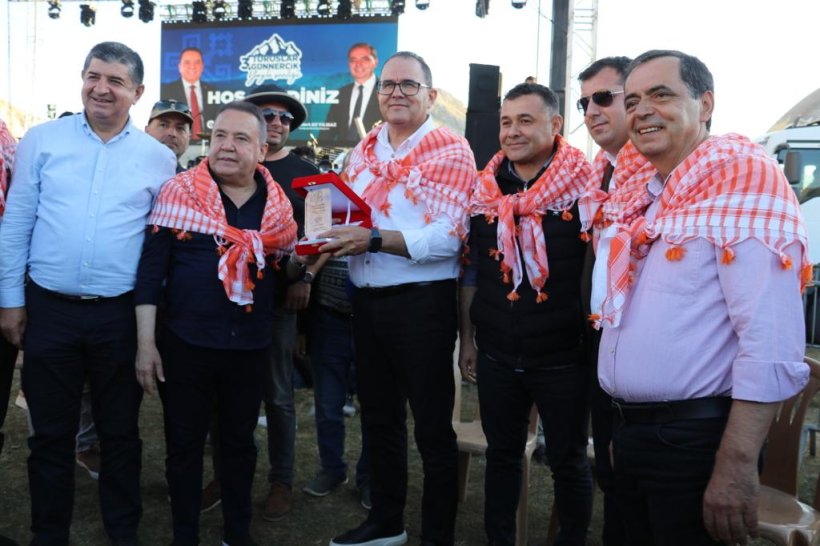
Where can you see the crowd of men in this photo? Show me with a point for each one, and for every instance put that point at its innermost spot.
(646, 287)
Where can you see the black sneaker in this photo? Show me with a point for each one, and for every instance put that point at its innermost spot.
(371, 533)
(323, 483)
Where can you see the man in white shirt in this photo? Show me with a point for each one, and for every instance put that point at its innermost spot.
(417, 180)
(356, 100)
(189, 88)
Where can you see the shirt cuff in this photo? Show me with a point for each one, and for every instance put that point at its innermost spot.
(416, 243)
(13, 297)
(762, 381)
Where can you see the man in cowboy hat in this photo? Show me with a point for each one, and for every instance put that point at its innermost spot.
(283, 114)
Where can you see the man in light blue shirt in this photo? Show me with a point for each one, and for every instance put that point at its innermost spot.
(69, 246)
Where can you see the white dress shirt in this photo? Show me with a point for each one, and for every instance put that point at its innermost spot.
(434, 248)
(368, 89)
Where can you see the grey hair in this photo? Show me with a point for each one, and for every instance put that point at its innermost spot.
(115, 52)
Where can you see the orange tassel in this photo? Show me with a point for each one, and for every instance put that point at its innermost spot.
(494, 253)
(490, 219)
(505, 278)
(541, 297)
(641, 239)
(584, 236)
(259, 274)
(155, 229)
(594, 317)
(428, 218)
(220, 250)
(566, 216)
(248, 308)
(728, 256)
(674, 253)
(787, 262)
(513, 296)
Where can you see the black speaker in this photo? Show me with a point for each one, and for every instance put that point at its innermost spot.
(482, 134)
(485, 88)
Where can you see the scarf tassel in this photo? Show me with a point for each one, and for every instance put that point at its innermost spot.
(566, 216)
(248, 308)
(728, 256)
(155, 229)
(490, 219)
(594, 317)
(541, 297)
(513, 295)
(786, 261)
(675, 253)
(584, 236)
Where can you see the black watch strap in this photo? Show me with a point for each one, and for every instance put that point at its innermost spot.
(375, 240)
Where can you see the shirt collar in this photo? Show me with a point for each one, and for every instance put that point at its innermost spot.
(410, 143)
(129, 126)
(655, 186)
(613, 159)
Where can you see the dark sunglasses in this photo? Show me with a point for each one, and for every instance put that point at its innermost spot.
(601, 98)
(285, 118)
(174, 105)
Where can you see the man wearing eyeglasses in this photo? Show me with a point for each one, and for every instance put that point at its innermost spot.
(71, 237)
(357, 100)
(602, 104)
(170, 123)
(702, 317)
(283, 114)
(522, 327)
(417, 179)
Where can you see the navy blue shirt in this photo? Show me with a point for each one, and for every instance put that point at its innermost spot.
(183, 275)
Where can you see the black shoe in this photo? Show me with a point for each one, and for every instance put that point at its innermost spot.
(372, 533)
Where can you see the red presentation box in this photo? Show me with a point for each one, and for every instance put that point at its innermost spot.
(347, 207)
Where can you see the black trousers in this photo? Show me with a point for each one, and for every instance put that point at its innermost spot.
(8, 357)
(198, 382)
(404, 342)
(67, 343)
(661, 473)
(600, 405)
(505, 397)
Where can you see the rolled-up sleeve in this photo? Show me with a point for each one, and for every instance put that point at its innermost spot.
(435, 241)
(766, 310)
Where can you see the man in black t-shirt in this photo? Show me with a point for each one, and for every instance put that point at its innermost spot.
(283, 114)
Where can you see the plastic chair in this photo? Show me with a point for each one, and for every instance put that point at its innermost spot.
(471, 441)
(782, 517)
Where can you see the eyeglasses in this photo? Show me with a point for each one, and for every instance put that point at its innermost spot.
(601, 98)
(408, 88)
(174, 105)
(285, 118)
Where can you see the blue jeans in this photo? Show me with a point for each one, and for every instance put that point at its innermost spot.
(331, 355)
(280, 410)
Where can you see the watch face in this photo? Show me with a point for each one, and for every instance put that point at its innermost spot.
(308, 277)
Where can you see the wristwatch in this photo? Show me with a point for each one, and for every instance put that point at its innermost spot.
(307, 278)
(375, 240)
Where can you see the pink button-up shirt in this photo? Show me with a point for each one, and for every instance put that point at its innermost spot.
(695, 327)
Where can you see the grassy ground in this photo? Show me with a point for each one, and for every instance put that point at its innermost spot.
(312, 522)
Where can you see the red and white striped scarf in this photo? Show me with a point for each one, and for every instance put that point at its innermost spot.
(439, 173)
(7, 147)
(727, 191)
(555, 190)
(190, 202)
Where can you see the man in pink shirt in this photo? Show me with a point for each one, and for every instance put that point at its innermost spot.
(702, 315)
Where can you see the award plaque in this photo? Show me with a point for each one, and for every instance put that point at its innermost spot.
(328, 202)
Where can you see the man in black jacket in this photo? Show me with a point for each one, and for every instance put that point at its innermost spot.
(521, 323)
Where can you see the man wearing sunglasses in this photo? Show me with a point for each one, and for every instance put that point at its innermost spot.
(703, 331)
(522, 328)
(283, 114)
(417, 179)
(170, 123)
(357, 100)
(602, 104)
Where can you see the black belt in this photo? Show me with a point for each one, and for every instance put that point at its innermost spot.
(381, 291)
(80, 299)
(676, 410)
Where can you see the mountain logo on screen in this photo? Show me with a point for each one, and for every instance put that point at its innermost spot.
(274, 59)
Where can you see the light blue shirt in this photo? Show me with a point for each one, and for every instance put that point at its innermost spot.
(76, 209)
